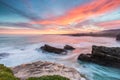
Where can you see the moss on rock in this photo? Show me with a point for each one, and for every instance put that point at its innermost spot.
(7, 74)
(53, 77)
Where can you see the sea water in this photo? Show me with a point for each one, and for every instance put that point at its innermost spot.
(26, 48)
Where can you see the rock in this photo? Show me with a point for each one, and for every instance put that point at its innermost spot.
(2, 55)
(112, 51)
(37, 69)
(53, 49)
(68, 47)
(118, 37)
(108, 56)
(86, 57)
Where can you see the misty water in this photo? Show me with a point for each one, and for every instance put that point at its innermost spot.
(25, 49)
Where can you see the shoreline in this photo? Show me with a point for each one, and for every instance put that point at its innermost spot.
(25, 52)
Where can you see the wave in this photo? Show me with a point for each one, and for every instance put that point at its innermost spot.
(28, 51)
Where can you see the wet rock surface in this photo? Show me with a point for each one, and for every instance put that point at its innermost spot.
(56, 50)
(37, 69)
(49, 48)
(108, 56)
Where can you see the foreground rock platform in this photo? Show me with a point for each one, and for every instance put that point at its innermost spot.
(107, 56)
(37, 69)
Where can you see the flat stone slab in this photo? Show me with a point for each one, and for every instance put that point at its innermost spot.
(37, 69)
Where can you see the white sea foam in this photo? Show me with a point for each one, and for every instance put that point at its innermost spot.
(27, 50)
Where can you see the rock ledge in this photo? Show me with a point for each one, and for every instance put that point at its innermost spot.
(37, 69)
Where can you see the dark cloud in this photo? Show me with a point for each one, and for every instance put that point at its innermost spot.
(21, 25)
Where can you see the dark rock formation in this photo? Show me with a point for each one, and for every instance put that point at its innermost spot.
(118, 37)
(53, 49)
(68, 47)
(2, 55)
(85, 57)
(108, 56)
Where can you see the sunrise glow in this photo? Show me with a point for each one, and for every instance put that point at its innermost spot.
(81, 16)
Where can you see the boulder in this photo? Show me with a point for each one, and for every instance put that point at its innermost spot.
(118, 37)
(85, 57)
(68, 47)
(51, 49)
(108, 56)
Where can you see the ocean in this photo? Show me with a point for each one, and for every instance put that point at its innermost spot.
(26, 49)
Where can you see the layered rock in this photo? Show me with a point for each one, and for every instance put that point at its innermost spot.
(40, 68)
(118, 37)
(108, 56)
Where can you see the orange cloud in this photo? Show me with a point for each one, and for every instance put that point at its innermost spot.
(29, 32)
(81, 13)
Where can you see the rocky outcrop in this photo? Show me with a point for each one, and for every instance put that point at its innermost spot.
(37, 69)
(108, 56)
(53, 49)
(68, 47)
(118, 37)
(85, 57)
(2, 55)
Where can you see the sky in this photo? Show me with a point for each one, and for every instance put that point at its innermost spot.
(58, 16)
